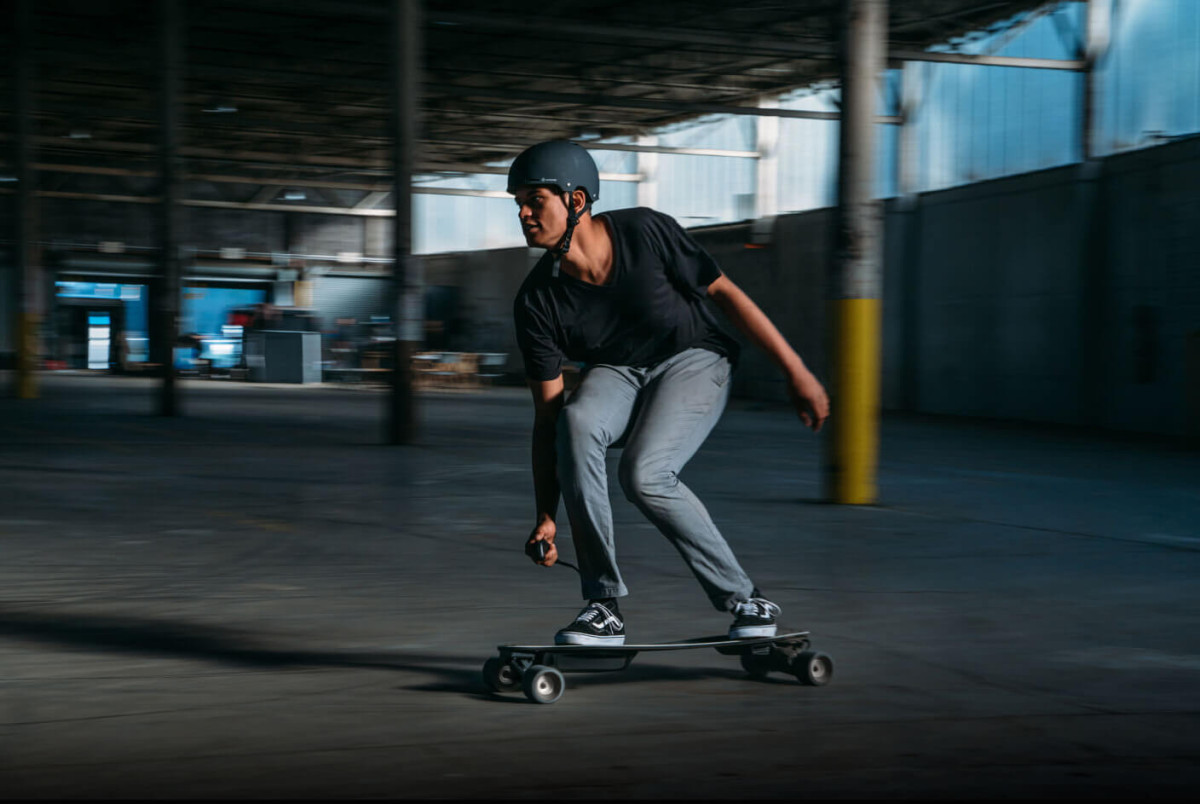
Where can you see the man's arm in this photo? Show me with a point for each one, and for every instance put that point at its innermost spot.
(806, 392)
(547, 402)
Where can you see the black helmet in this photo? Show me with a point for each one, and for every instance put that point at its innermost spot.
(558, 162)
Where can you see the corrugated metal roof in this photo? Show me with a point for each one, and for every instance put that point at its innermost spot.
(310, 78)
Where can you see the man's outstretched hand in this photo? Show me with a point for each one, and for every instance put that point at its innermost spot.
(810, 400)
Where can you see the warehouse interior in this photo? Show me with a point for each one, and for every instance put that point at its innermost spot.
(282, 190)
(264, 438)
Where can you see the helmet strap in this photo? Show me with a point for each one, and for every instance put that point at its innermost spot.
(564, 245)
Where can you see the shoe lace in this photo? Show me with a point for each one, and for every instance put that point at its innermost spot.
(757, 607)
(592, 612)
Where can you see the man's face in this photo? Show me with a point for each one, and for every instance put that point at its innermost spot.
(543, 216)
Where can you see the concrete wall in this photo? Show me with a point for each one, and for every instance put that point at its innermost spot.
(996, 300)
(1151, 288)
(1067, 296)
(982, 309)
(786, 278)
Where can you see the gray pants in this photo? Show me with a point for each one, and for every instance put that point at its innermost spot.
(664, 413)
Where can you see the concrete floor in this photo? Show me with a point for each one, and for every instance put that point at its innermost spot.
(260, 600)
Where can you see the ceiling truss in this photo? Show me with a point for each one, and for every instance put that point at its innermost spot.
(309, 82)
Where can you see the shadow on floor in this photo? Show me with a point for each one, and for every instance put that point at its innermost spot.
(147, 636)
(172, 639)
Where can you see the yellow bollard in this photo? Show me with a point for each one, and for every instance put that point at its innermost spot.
(854, 414)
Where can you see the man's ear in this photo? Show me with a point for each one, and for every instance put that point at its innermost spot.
(580, 201)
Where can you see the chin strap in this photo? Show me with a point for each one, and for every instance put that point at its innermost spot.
(564, 245)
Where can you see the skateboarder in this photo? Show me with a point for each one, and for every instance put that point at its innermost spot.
(623, 292)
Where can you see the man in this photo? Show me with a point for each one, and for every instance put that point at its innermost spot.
(624, 293)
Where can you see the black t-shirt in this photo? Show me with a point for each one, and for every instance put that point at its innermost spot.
(651, 309)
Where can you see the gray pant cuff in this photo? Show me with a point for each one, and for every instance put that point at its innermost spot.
(727, 602)
(597, 592)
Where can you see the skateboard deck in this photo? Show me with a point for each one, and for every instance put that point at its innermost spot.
(537, 670)
(698, 642)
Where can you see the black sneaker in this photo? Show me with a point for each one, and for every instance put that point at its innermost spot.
(753, 618)
(597, 624)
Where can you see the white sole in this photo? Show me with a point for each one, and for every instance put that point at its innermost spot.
(753, 631)
(580, 639)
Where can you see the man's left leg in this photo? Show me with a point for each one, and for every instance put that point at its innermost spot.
(682, 403)
(594, 417)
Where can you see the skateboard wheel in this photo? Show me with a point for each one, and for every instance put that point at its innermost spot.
(757, 665)
(499, 676)
(543, 684)
(813, 668)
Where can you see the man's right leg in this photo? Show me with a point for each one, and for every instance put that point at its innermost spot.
(594, 417)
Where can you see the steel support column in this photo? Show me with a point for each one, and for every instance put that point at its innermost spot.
(857, 277)
(766, 184)
(1094, 265)
(908, 156)
(647, 168)
(908, 217)
(24, 274)
(1095, 46)
(166, 291)
(406, 292)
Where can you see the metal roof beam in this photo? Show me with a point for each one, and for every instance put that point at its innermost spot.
(110, 198)
(985, 61)
(758, 44)
(660, 104)
(592, 145)
(358, 209)
(431, 166)
(371, 199)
